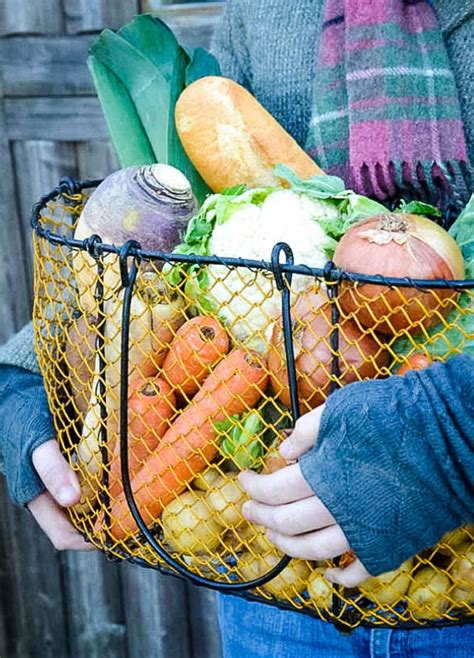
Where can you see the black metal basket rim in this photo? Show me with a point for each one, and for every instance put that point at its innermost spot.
(132, 249)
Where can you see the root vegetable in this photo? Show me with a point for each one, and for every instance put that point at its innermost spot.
(150, 204)
(189, 526)
(389, 588)
(427, 596)
(80, 346)
(320, 589)
(198, 345)
(398, 245)
(151, 406)
(155, 315)
(189, 445)
(290, 582)
(361, 356)
(226, 498)
(205, 481)
(461, 568)
(453, 540)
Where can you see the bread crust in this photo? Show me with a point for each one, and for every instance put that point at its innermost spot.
(231, 139)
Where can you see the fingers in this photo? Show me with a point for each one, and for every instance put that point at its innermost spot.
(57, 476)
(292, 519)
(283, 486)
(320, 545)
(304, 436)
(351, 576)
(55, 525)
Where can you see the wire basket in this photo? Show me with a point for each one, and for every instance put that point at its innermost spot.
(158, 404)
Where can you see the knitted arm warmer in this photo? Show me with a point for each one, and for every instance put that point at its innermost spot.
(394, 461)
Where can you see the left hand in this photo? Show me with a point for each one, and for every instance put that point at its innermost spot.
(298, 522)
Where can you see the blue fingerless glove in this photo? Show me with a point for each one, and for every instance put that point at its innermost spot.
(394, 461)
(25, 423)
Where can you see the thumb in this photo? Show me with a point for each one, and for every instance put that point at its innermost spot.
(304, 436)
(56, 474)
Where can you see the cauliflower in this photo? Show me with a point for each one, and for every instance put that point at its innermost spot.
(242, 223)
(249, 301)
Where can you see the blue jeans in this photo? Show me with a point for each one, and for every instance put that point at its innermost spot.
(256, 630)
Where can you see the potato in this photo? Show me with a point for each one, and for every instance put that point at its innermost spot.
(205, 480)
(427, 595)
(388, 588)
(462, 597)
(461, 568)
(254, 538)
(189, 527)
(226, 498)
(290, 583)
(450, 542)
(320, 589)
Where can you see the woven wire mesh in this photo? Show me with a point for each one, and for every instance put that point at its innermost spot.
(208, 394)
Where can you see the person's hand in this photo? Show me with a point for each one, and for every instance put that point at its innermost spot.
(298, 522)
(63, 490)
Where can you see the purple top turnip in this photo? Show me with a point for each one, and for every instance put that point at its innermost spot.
(151, 204)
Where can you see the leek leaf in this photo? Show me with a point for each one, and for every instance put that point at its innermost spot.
(147, 86)
(121, 116)
(201, 65)
(155, 40)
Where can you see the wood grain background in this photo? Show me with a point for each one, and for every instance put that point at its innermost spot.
(72, 605)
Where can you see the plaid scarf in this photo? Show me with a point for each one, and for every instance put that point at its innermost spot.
(386, 114)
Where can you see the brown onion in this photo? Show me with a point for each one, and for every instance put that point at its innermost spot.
(360, 354)
(398, 245)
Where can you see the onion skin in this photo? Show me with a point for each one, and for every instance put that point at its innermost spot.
(398, 245)
(360, 354)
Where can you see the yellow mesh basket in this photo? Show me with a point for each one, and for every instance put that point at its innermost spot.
(145, 374)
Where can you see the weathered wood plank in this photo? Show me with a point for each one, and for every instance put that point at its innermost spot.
(30, 17)
(193, 24)
(8, 590)
(93, 15)
(39, 614)
(96, 159)
(156, 614)
(38, 166)
(38, 66)
(68, 119)
(14, 295)
(41, 66)
(204, 631)
(94, 607)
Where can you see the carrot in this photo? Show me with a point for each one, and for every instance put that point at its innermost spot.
(151, 405)
(198, 345)
(414, 362)
(234, 386)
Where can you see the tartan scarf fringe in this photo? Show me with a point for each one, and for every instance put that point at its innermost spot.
(446, 185)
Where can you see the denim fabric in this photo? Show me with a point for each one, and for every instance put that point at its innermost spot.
(25, 423)
(256, 630)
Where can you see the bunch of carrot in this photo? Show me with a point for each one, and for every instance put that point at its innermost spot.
(167, 448)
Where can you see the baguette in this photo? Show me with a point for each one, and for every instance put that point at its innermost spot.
(231, 139)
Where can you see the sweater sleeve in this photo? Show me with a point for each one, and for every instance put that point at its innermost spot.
(456, 20)
(25, 423)
(229, 45)
(394, 461)
(19, 350)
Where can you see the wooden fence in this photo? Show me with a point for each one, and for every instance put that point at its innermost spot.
(72, 605)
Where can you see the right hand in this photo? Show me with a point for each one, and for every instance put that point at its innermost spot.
(63, 490)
